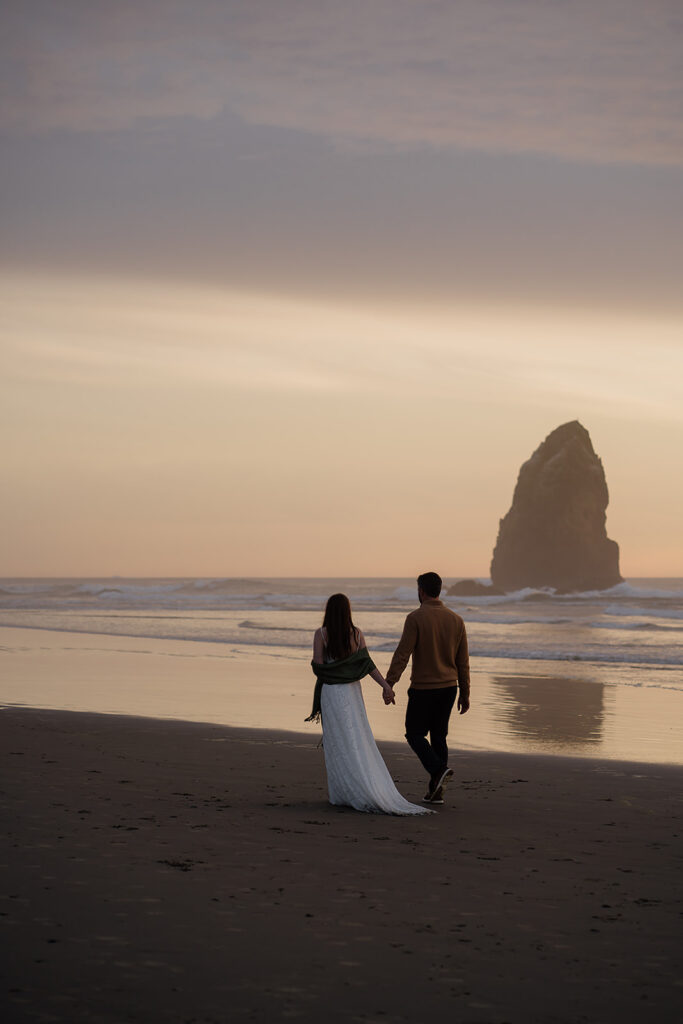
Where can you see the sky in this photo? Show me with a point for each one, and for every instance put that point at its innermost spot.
(294, 287)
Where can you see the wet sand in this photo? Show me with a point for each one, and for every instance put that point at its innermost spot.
(160, 871)
(528, 708)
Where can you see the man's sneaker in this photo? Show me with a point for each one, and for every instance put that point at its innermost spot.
(438, 783)
(433, 798)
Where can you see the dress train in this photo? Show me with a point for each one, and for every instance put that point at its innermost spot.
(356, 773)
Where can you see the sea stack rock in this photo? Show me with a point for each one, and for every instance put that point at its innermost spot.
(554, 534)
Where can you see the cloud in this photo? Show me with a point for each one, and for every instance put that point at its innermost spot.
(129, 337)
(598, 82)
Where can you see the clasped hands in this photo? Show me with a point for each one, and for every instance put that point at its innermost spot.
(388, 694)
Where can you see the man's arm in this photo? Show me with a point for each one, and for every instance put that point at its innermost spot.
(462, 661)
(387, 692)
(406, 646)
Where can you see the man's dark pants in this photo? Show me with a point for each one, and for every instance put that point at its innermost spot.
(428, 712)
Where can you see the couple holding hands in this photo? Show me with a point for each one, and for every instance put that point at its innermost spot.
(435, 638)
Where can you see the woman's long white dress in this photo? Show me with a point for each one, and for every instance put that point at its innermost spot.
(356, 774)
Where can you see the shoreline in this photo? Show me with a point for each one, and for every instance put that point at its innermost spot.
(540, 708)
(311, 738)
(163, 871)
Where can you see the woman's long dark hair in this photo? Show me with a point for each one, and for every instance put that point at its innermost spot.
(341, 632)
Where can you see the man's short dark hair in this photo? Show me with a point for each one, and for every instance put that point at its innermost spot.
(430, 582)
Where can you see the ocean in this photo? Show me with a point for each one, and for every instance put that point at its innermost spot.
(599, 668)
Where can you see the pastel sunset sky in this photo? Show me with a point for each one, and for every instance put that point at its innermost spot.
(293, 287)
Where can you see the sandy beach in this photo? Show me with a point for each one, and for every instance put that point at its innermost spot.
(160, 871)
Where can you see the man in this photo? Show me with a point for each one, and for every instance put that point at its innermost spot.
(435, 637)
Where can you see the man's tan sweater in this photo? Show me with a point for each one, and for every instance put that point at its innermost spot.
(436, 638)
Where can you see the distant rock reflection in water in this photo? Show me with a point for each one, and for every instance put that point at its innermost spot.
(559, 713)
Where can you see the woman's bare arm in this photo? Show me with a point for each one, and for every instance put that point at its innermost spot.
(318, 646)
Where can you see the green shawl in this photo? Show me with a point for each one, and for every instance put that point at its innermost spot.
(346, 670)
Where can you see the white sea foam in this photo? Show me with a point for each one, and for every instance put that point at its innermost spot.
(652, 611)
(641, 625)
(630, 590)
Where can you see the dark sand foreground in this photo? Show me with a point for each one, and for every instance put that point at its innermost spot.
(160, 871)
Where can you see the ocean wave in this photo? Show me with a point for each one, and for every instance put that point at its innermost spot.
(607, 657)
(656, 612)
(604, 656)
(626, 591)
(249, 634)
(380, 594)
(247, 624)
(652, 627)
(129, 591)
(630, 590)
(230, 586)
(476, 616)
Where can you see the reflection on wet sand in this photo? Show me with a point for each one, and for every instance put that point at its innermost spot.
(552, 710)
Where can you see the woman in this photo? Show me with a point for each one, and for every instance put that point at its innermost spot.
(356, 774)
